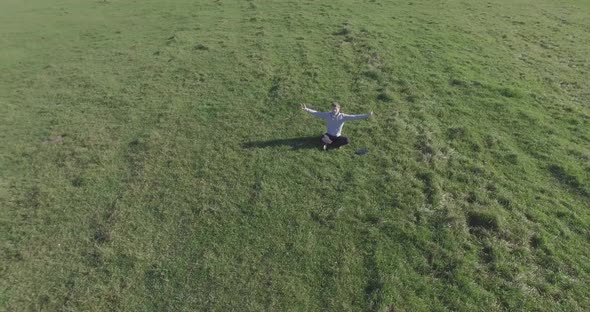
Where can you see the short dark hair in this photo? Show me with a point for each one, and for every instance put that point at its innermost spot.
(336, 104)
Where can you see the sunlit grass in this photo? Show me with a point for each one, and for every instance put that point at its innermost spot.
(154, 156)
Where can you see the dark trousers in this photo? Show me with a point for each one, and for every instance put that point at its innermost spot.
(337, 141)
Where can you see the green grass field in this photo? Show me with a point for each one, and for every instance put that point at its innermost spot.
(154, 157)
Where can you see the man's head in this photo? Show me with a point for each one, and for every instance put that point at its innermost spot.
(335, 108)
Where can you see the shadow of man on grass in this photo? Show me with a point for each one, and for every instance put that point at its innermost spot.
(308, 142)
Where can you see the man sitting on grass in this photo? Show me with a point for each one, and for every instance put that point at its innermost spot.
(334, 122)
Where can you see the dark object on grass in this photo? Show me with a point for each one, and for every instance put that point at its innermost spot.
(201, 47)
(362, 152)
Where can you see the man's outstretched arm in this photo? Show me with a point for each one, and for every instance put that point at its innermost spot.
(346, 117)
(313, 112)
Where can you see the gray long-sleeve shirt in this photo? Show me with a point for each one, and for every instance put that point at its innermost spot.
(334, 122)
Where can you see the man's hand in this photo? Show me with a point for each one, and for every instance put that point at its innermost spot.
(371, 114)
(303, 107)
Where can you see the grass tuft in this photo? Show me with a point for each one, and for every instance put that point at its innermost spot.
(510, 93)
(385, 96)
(569, 180)
(484, 220)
